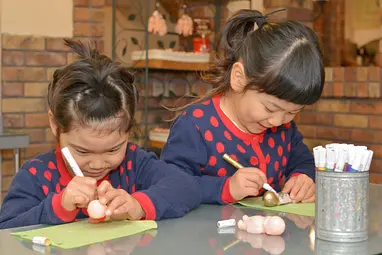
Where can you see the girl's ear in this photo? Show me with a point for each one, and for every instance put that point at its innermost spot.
(52, 123)
(238, 80)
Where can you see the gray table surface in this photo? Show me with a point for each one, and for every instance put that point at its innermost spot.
(196, 233)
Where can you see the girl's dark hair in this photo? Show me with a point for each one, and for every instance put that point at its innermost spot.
(92, 90)
(283, 59)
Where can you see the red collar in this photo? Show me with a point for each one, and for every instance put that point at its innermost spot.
(230, 125)
(66, 176)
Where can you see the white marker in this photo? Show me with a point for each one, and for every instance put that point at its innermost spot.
(268, 187)
(367, 167)
(226, 223)
(41, 240)
(316, 153)
(76, 169)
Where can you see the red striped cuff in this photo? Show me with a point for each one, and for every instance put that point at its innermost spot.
(147, 205)
(226, 196)
(60, 211)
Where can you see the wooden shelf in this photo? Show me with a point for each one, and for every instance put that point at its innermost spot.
(171, 65)
(157, 144)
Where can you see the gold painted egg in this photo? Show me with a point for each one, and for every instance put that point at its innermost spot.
(270, 199)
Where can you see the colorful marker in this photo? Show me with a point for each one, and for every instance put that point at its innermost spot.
(322, 159)
(330, 159)
(316, 154)
(340, 163)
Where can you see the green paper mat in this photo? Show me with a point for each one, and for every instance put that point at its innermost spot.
(77, 234)
(304, 209)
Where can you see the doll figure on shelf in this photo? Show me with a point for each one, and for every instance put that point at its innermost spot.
(184, 25)
(157, 24)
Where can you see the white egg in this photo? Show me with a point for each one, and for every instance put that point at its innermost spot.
(96, 210)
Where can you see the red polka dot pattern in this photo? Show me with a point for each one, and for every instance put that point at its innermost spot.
(208, 136)
(127, 180)
(246, 142)
(254, 161)
(274, 129)
(51, 165)
(268, 159)
(276, 165)
(260, 138)
(283, 136)
(214, 122)
(133, 189)
(58, 188)
(287, 125)
(119, 186)
(133, 147)
(48, 175)
(280, 150)
(233, 156)
(198, 113)
(121, 170)
(184, 113)
(222, 172)
(284, 161)
(270, 180)
(289, 147)
(241, 149)
(220, 147)
(45, 189)
(33, 170)
(271, 142)
(129, 165)
(202, 169)
(227, 135)
(212, 161)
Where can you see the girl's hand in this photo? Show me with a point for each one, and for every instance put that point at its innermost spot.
(301, 188)
(120, 204)
(246, 182)
(79, 192)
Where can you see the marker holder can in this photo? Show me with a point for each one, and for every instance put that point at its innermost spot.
(342, 203)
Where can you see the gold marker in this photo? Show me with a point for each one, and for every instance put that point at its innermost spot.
(232, 161)
(236, 164)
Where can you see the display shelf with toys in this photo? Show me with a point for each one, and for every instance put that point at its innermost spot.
(193, 53)
(171, 60)
(158, 137)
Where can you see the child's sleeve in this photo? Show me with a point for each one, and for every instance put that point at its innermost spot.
(26, 204)
(301, 159)
(186, 149)
(162, 189)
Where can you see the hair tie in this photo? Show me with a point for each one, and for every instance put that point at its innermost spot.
(261, 20)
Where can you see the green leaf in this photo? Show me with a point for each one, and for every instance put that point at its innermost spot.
(172, 44)
(172, 94)
(160, 44)
(134, 40)
(132, 17)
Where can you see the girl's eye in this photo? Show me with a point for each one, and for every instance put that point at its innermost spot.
(114, 150)
(268, 110)
(82, 152)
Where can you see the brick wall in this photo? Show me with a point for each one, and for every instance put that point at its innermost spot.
(350, 111)
(27, 66)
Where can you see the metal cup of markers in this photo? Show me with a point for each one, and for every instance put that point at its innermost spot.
(342, 202)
